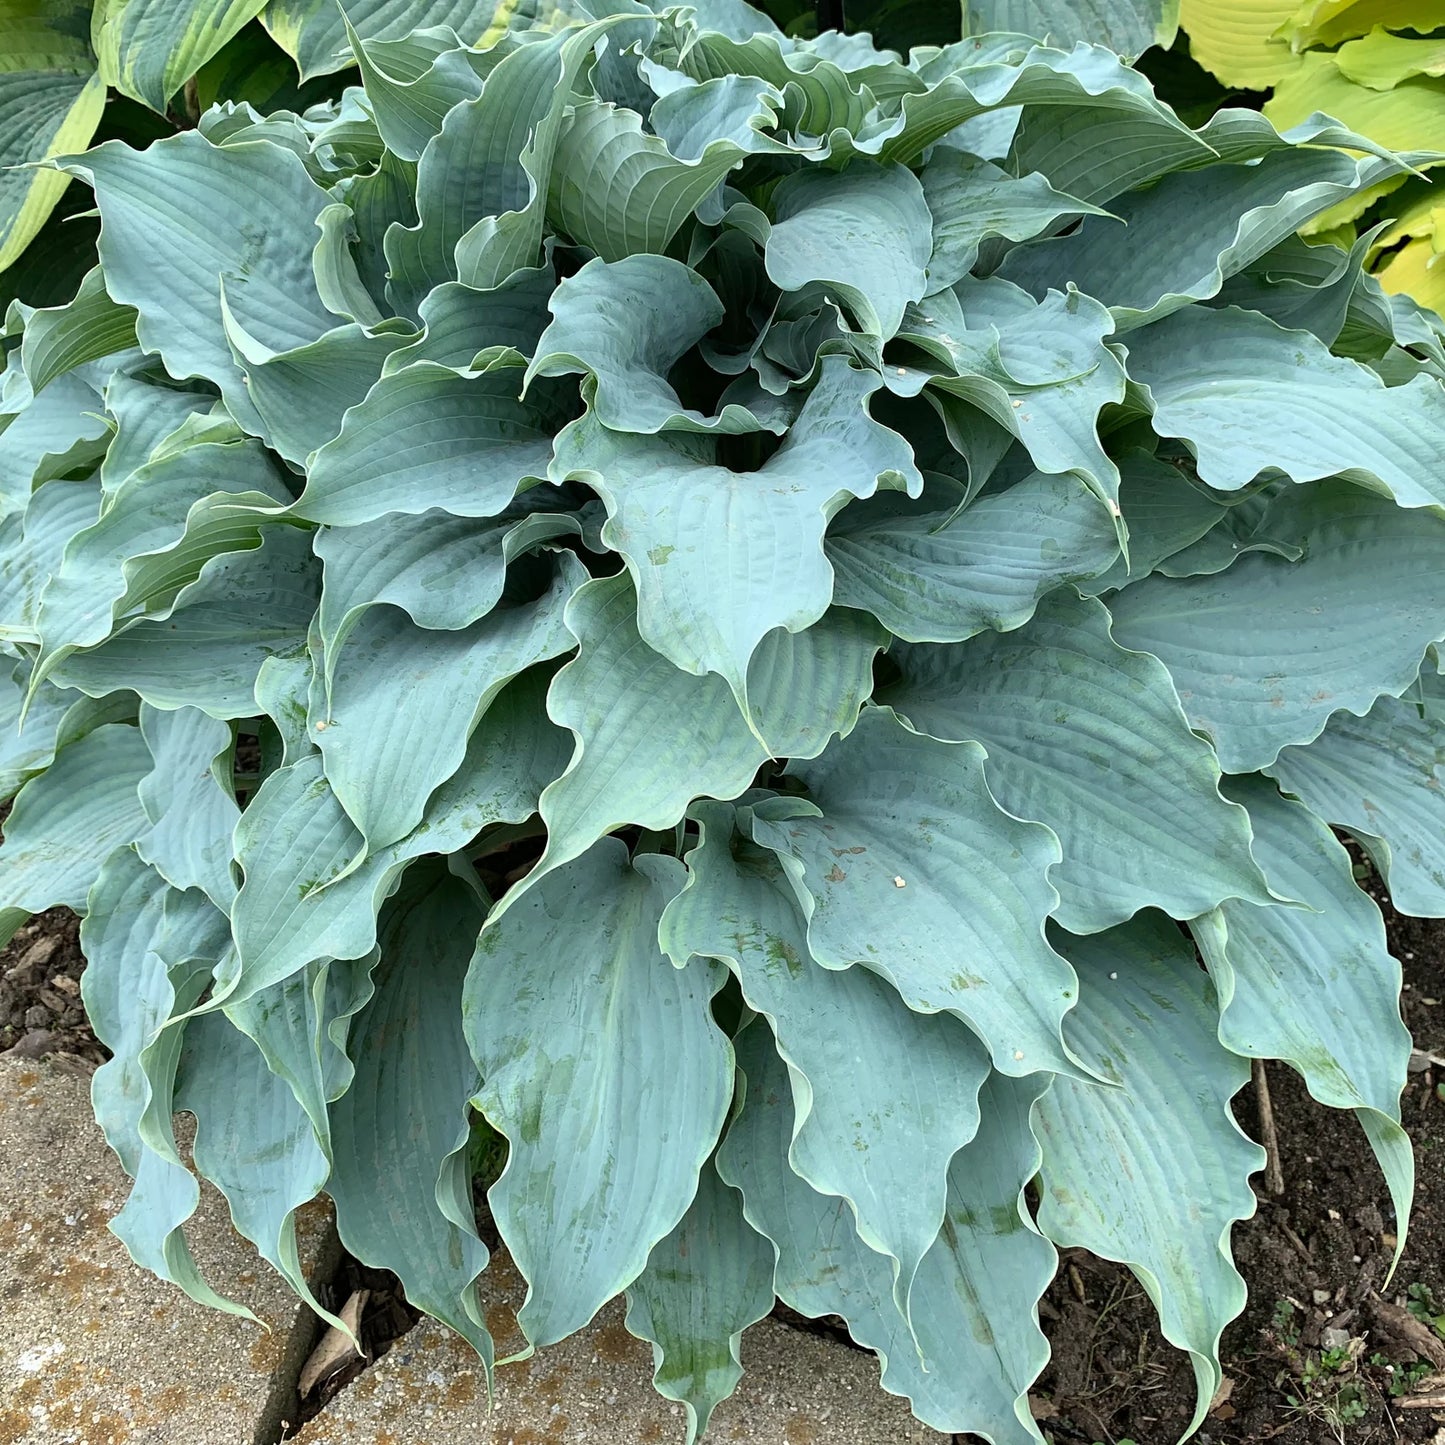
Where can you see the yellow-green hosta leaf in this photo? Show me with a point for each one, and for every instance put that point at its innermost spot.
(1409, 116)
(148, 49)
(1324, 23)
(1417, 270)
(1381, 61)
(51, 99)
(1154, 1171)
(1240, 41)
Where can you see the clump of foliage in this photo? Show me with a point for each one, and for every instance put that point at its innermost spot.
(695, 599)
(1379, 68)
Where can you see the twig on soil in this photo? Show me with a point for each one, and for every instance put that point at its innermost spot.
(1273, 1174)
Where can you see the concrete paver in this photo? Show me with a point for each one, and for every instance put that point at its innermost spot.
(595, 1389)
(96, 1351)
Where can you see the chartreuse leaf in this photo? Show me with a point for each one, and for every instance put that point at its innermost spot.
(400, 1176)
(68, 819)
(1240, 40)
(1091, 740)
(669, 308)
(432, 436)
(884, 1097)
(1315, 986)
(1128, 26)
(932, 576)
(1154, 1172)
(1184, 237)
(972, 199)
(721, 558)
(150, 951)
(188, 798)
(1041, 370)
(704, 1284)
(1381, 777)
(178, 218)
(588, 1192)
(295, 843)
(253, 1142)
(402, 701)
(900, 868)
(1263, 653)
(207, 649)
(148, 49)
(87, 328)
(975, 1346)
(637, 761)
(1221, 378)
(51, 99)
(864, 233)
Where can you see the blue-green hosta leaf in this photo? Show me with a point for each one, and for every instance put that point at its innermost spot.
(1222, 378)
(302, 395)
(189, 801)
(443, 571)
(884, 1097)
(85, 329)
(1315, 986)
(151, 951)
(67, 417)
(736, 108)
(1182, 238)
(972, 199)
(179, 217)
(253, 1142)
(482, 179)
(1153, 1173)
(1091, 740)
(412, 83)
(206, 650)
(604, 1156)
(1128, 26)
(295, 843)
(67, 820)
(932, 576)
(148, 49)
(1263, 653)
(1164, 511)
(864, 233)
(975, 1346)
(36, 542)
(721, 558)
(1041, 370)
(620, 191)
(703, 1286)
(401, 701)
(651, 738)
(1254, 522)
(1381, 776)
(460, 321)
(907, 866)
(51, 100)
(668, 308)
(431, 436)
(149, 415)
(157, 530)
(400, 1177)
(27, 745)
(338, 274)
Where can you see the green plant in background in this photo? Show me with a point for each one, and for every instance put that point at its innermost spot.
(696, 593)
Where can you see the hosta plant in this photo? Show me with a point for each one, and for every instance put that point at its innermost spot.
(755, 627)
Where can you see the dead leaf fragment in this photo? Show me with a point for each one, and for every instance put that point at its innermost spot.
(337, 1348)
(1399, 1330)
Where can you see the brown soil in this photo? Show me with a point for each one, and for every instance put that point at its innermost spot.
(1315, 1257)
